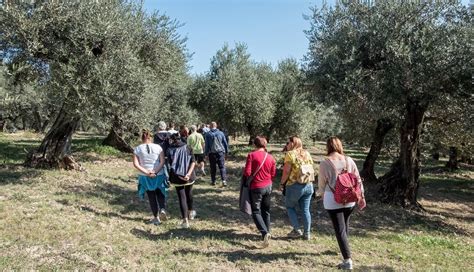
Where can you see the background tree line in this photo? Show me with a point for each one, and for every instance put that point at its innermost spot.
(395, 76)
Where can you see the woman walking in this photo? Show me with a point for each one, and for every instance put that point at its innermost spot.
(298, 189)
(260, 167)
(181, 164)
(149, 159)
(329, 169)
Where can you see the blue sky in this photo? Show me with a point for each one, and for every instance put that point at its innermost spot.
(272, 29)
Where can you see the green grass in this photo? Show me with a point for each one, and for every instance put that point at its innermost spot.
(93, 220)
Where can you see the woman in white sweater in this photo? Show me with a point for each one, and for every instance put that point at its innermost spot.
(339, 213)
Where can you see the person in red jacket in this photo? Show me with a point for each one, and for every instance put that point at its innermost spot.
(262, 166)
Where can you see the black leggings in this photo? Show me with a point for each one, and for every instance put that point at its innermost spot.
(185, 198)
(340, 222)
(157, 201)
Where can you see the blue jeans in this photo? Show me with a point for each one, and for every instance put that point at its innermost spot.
(299, 195)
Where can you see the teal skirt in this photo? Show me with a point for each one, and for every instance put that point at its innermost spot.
(146, 183)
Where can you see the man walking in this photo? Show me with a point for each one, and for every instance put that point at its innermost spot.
(196, 143)
(215, 149)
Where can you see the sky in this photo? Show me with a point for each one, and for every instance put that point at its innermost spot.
(272, 29)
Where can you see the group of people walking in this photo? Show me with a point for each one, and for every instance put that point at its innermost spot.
(167, 157)
(171, 157)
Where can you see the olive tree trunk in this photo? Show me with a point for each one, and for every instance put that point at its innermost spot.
(54, 151)
(384, 125)
(400, 185)
(115, 138)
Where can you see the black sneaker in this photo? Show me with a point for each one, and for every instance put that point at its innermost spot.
(213, 183)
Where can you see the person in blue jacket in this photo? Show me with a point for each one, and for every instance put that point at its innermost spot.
(216, 148)
(181, 171)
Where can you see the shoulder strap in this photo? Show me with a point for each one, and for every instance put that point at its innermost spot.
(335, 170)
(258, 169)
(332, 165)
(346, 166)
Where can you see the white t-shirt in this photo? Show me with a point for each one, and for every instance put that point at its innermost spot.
(149, 158)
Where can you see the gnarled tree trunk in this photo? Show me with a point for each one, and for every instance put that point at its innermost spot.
(400, 185)
(384, 125)
(452, 164)
(54, 151)
(115, 139)
(2, 124)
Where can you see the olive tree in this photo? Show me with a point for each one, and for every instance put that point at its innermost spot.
(236, 92)
(398, 58)
(97, 59)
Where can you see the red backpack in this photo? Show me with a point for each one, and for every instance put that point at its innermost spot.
(347, 187)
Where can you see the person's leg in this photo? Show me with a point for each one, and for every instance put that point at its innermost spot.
(291, 201)
(265, 206)
(221, 164)
(153, 202)
(305, 203)
(201, 166)
(161, 199)
(189, 196)
(212, 165)
(183, 206)
(255, 202)
(337, 218)
(347, 215)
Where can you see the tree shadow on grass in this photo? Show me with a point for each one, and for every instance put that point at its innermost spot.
(374, 268)
(17, 174)
(250, 251)
(124, 198)
(98, 212)
(255, 256)
(231, 236)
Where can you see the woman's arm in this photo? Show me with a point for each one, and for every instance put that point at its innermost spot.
(162, 163)
(136, 164)
(286, 173)
(322, 179)
(248, 166)
(190, 171)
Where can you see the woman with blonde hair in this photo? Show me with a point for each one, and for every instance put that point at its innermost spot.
(149, 159)
(298, 186)
(329, 169)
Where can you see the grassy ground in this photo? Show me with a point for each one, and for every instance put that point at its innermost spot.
(94, 220)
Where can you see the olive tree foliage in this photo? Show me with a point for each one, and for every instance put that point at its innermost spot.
(448, 131)
(236, 92)
(295, 113)
(100, 61)
(396, 59)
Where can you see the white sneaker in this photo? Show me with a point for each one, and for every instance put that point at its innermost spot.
(345, 265)
(192, 214)
(163, 215)
(224, 183)
(266, 240)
